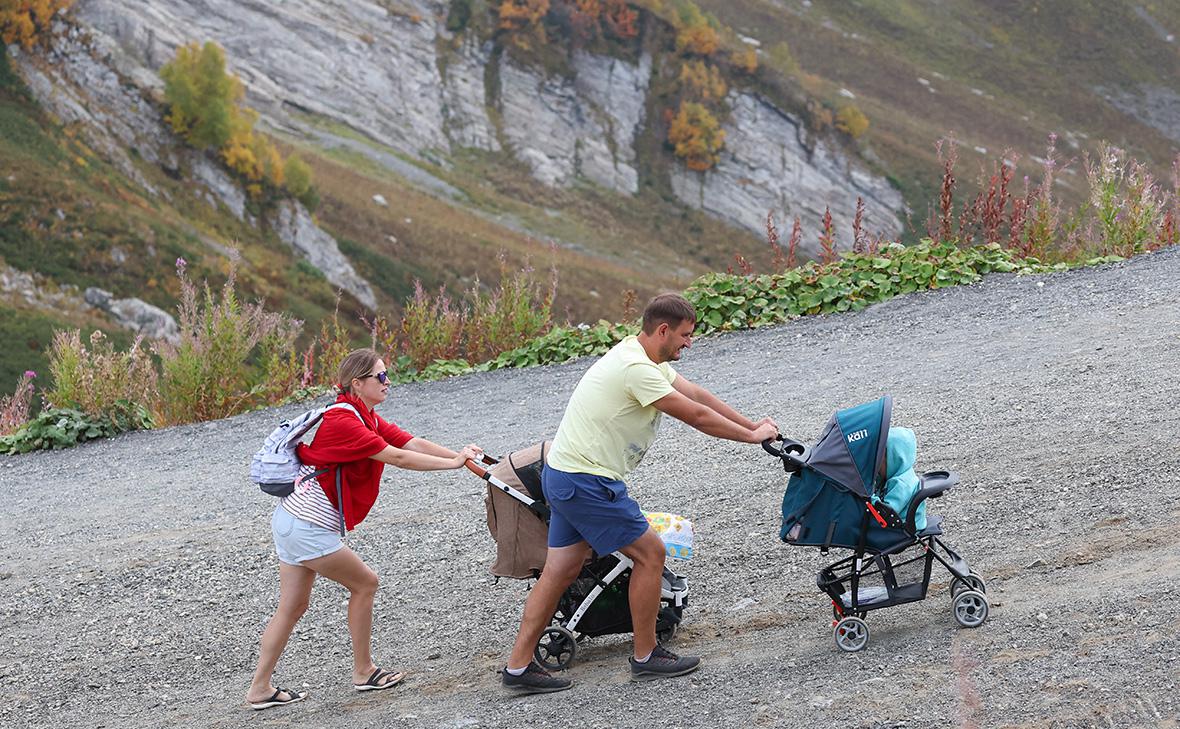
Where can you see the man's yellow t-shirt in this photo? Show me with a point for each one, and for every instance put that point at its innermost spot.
(610, 422)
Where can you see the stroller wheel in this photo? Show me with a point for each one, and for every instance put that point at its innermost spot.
(973, 581)
(971, 608)
(666, 635)
(851, 634)
(555, 648)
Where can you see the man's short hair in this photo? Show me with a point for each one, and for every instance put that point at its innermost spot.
(670, 309)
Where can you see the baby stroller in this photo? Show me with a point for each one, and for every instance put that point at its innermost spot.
(596, 603)
(834, 499)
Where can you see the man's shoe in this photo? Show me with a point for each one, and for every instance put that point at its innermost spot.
(534, 680)
(663, 663)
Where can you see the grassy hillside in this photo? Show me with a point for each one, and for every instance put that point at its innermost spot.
(998, 75)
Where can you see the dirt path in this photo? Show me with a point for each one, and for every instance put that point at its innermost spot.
(136, 574)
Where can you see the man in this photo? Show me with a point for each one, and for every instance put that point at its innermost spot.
(608, 425)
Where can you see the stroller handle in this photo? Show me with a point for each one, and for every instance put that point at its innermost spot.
(478, 467)
(793, 453)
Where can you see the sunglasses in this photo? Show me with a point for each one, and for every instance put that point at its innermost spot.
(382, 377)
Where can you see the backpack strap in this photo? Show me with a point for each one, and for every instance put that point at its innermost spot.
(339, 476)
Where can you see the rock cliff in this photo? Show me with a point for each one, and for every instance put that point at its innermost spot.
(391, 71)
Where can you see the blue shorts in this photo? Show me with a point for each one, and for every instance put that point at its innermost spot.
(298, 540)
(595, 509)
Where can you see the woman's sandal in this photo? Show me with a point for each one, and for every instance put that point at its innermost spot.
(274, 700)
(378, 681)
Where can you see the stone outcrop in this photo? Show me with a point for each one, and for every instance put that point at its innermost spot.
(295, 227)
(134, 314)
(81, 82)
(580, 127)
(766, 167)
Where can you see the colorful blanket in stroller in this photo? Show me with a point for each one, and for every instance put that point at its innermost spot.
(675, 530)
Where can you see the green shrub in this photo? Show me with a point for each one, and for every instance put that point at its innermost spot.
(58, 428)
(509, 316)
(202, 98)
(95, 379)
(726, 301)
(1128, 207)
(231, 356)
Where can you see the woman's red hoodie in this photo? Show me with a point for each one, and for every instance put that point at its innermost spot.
(343, 442)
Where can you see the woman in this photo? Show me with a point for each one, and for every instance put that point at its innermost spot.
(306, 524)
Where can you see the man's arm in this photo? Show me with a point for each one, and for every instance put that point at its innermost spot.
(711, 422)
(698, 394)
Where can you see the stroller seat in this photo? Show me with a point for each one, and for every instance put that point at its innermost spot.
(838, 496)
(933, 526)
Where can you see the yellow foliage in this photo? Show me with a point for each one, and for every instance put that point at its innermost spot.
(699, 39)
(701, 82)
(696, 136)
(22, 20)
(523, 18)
(746, 60)
(590, 8)
(852, 121)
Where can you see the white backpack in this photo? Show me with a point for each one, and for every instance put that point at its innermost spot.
(275, 467)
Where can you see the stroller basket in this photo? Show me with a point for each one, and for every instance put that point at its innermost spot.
(834, 498)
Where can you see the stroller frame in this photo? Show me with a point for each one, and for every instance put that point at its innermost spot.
(556, 649)
(854, 466)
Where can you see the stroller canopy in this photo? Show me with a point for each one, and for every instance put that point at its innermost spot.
(851, 450)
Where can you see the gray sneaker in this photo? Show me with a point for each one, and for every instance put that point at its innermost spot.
(663, 663)
(534, 680)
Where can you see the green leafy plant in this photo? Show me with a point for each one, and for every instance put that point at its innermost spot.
(56, 428)
(725, 301)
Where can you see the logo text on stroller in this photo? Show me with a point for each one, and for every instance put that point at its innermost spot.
(858, 435)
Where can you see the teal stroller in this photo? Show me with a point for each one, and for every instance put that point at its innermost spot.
(837, 497)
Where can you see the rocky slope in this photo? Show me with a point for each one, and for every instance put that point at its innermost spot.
(380, 69)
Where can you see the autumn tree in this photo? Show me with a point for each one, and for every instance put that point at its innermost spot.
(695, 35)
(620, 19)
(204, 107)
(701, 82)
(696, 136)
(746, 60)
(22, 21)
(201, 96)
(852, 121)
(521, 19)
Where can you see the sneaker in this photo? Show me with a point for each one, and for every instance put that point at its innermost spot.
(534, 680)
(663, 663)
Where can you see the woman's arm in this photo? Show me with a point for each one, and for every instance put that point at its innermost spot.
(418, 461)
(421, 445)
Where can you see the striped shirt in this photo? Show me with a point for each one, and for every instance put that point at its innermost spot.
(309, 503)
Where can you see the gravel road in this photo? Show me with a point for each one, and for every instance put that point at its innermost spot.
(136, 574)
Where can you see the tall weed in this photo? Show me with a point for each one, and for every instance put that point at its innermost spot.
(518, 310)
(221, 364)
(99, 381)
(1128, 207)
(15, 408)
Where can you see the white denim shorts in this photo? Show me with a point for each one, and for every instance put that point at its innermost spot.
(298, 540)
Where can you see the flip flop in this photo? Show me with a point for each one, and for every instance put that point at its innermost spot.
(375, 681)
(274, 700)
